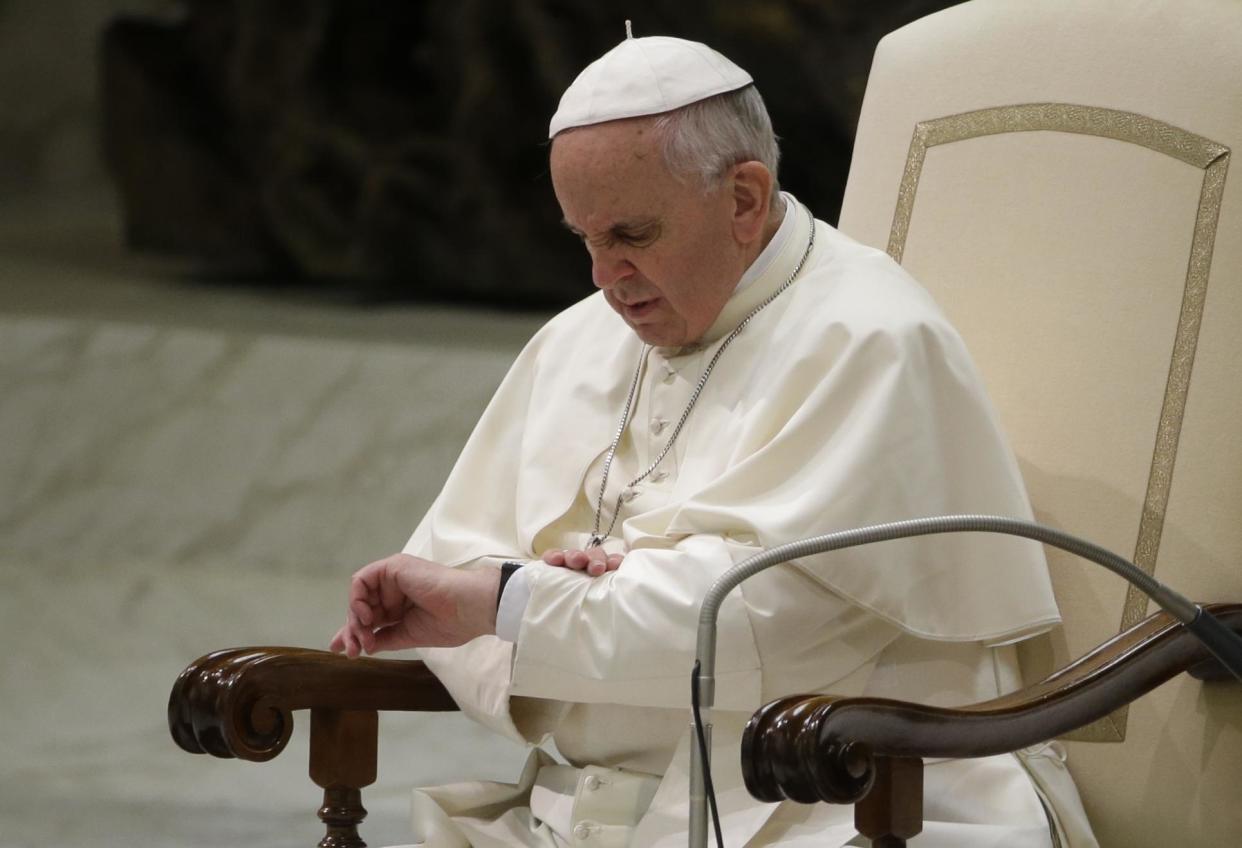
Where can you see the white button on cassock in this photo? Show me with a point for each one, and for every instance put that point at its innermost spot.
(582, 830)
(591, 783)
(658, 425)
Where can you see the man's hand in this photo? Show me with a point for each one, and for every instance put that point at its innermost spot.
(406, 602)
(594, 561)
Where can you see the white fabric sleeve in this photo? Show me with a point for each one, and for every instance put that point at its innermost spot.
(629, 636)
(513, 601)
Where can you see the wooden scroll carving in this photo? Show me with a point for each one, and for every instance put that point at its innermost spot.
(240, 703)
(811, 748)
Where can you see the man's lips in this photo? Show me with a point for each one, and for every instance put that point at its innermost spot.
(639, 309)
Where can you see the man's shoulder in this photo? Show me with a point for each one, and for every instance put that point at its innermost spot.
(861, 291)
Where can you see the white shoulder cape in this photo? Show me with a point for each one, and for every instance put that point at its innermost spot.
(848, 401)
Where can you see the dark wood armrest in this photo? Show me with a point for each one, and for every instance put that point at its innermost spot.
(811, 748)
(239, 702)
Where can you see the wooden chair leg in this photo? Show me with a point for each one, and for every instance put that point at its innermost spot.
(892, 811)
(343, 747)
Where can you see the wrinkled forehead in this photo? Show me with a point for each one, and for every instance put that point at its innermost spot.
(615, 169)
(624, 143)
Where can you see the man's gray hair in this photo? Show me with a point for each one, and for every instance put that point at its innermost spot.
(706, 138)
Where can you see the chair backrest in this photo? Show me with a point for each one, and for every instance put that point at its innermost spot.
(1057, 174)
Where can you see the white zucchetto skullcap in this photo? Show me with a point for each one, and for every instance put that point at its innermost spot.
(645, 76)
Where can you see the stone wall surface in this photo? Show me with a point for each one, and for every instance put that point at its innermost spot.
(194, 447)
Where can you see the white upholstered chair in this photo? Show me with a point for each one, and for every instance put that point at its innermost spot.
(1063, 176)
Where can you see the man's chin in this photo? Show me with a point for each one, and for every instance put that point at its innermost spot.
(658, 336)
(654, 331)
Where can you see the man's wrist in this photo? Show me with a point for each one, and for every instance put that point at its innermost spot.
(478, 613)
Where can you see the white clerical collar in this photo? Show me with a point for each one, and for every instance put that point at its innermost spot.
(770, 270)
(773, 247)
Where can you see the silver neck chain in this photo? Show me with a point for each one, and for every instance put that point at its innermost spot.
(598, 539)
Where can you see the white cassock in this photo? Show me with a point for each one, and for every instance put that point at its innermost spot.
(849, 400)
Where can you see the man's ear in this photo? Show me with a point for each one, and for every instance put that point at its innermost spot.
(752, 200)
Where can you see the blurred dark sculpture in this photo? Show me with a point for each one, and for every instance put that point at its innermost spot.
(397, 148)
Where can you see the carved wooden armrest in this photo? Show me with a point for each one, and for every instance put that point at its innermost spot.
(864, 751)
(240, 703)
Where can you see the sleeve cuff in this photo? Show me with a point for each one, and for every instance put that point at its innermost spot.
(513, 601)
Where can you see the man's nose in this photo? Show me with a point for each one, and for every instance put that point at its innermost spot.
(608, 268)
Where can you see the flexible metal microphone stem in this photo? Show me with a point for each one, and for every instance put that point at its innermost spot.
(1222, 642)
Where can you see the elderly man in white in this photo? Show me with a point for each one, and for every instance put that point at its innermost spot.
(745, 376)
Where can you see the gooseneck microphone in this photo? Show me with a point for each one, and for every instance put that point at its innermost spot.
(1222, 642)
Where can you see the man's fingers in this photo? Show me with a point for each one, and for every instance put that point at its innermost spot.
(391, 599)
(360, 612)
(378, 600)
(375, 596)
(593, 560)
(337, 645)
(346, 642)
(364, 591)
(601, 562)
(355, 637)
(575, 559)
(367, 640)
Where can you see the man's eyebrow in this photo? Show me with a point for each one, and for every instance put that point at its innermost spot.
(639, 226)
(620, 228)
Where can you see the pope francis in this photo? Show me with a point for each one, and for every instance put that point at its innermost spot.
(745, 376)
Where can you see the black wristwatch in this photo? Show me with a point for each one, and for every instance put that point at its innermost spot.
(506, 571)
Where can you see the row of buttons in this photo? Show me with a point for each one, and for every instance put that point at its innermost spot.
(659, 425)
(582, 830)
(608, 804)
(633, 492)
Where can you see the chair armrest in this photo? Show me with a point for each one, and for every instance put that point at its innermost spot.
(239, 702)
(811, 748)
